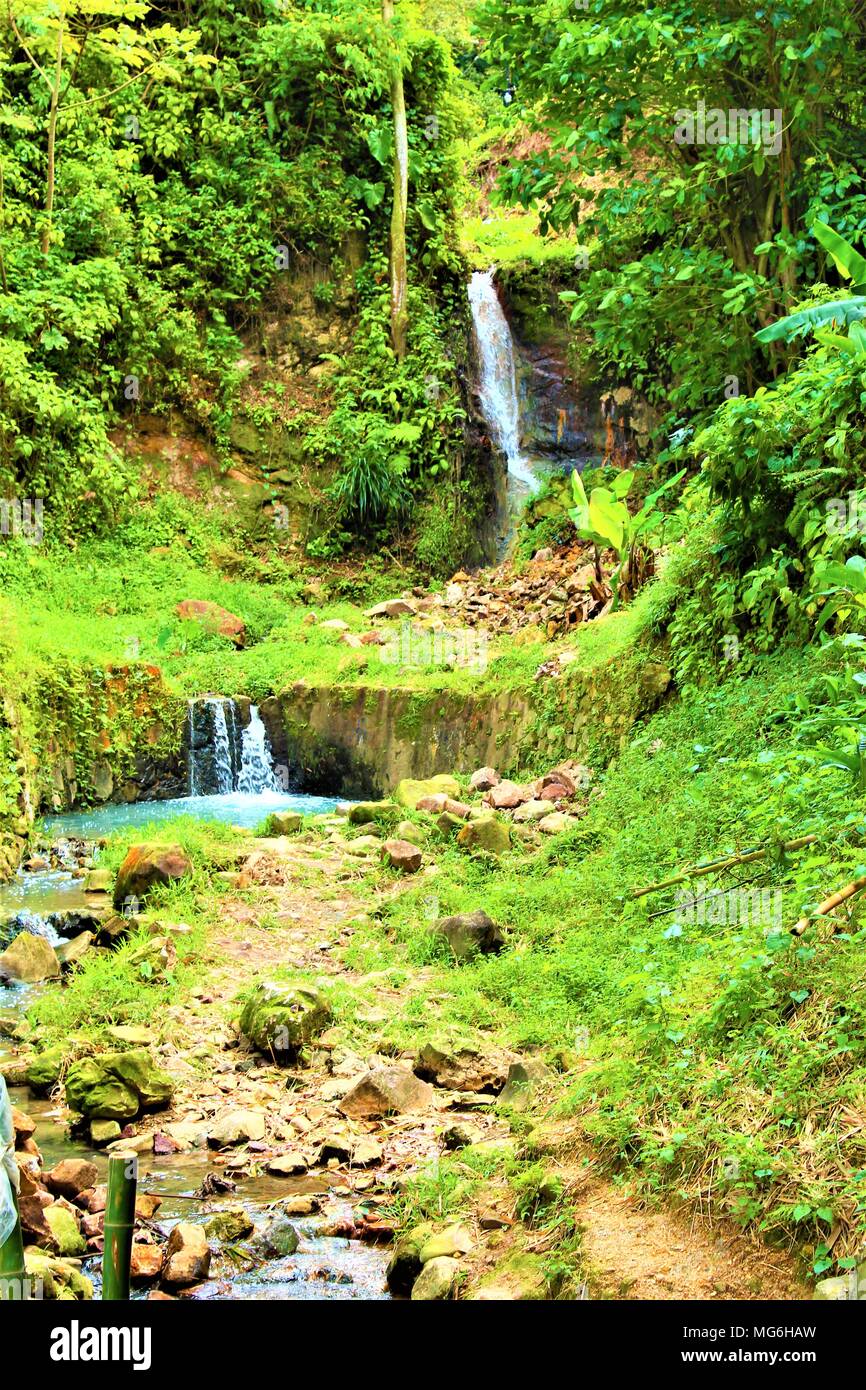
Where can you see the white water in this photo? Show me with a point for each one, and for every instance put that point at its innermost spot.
(222, 748)
(499, 401)
(257, 772)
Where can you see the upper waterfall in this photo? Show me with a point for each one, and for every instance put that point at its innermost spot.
(498, 380)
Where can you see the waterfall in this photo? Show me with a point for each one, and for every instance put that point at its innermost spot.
(257, 770)
(222, 757)
(498, 393)
(222, 749)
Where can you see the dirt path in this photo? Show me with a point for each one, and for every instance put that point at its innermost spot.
(304, 900)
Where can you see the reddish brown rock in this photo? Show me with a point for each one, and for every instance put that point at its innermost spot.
(146, 1263)
(403, 856)
(506, 795)
(484, 779)
(213, 619)
(70, 1177)
(186, 1258)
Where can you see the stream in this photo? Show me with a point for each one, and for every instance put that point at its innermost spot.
(324, 1266)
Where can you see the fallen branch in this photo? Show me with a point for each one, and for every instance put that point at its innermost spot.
(828, 904)
(719, 865)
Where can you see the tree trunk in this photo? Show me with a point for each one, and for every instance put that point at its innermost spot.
(399, 311)
(52, 142)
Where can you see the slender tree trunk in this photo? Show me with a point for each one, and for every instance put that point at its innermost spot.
(52, 141)
(399, 310)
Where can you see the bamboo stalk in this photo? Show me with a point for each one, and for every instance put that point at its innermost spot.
(119, 1223)
(718, 865)
(835, 899)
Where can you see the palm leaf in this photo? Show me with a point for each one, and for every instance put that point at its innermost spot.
(847, 261)
(838, 311)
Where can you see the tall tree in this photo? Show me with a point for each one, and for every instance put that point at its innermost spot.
(399, 310)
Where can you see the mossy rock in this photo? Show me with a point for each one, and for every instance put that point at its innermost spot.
(64, 1230)
(43, 1070)
(386, 812)
(58, 1278)
(117, 1085)
(486, 835)
(404, 1265)
(280, 1019)
(409, 792)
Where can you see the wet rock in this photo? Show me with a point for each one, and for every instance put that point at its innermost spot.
(236, 1127)
(71, 953)
(29, 959)
(146, 865)
(65, 1234)
(230, 1224)
(103, 1132)
(212, 618)
(58, 1278)
(277, 1238)
(437, 1280)
(402, 855)
(117, 1085)
(461, 1069)
(410, 791)
(469, 932)
(386, 1091)
(486, 835)
(145, 1263)
(43, 1070)
(70, 1177)
(484, 779)
(280, 1019)
(186, 1259)
(23, 1126)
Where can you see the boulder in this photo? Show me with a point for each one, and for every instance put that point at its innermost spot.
(437, 1280)
(29, 959)
(486, 835)
(364, 811)
(404, 1265)
(402, 855)
(236, 1127)
(58, 1278)
(484, 779)
(505, 796)
(522, 1079)
(532, 810)
(409, 792)
(454, 1240)
(461, 1068)
(468, 932)
(103, 1132)
(43, 1070)
(145, 1263)
(230, 1224)
(146, 865)
(386, 1091)
(283, 823)
(71, 953)
(290, 1165)
(449, 825)
(392, 608)
(97, 881)
(280, 1019)
(70, 1177)
(213, 619)
(556, 822)
(278, 1238)
(186, 1258)
(117, 1085)
(407, 830)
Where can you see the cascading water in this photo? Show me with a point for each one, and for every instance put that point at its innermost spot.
(257, 773)
(498, 381)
